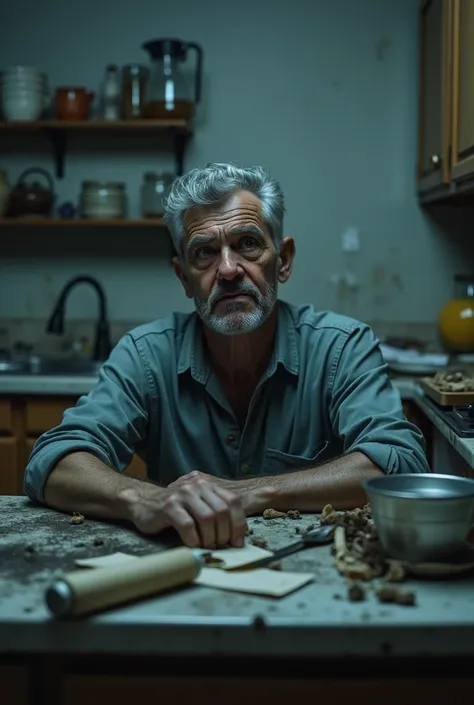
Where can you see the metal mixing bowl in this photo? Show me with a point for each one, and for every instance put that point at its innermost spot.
(422, 518)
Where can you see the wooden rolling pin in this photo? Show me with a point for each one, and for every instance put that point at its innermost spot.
(92, 590)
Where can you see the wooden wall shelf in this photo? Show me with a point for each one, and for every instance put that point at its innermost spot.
(90, 125)
(57, 132)
(82, 223)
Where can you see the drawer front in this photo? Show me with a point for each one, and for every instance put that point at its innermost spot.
(43, 414)
(15, 685)
(5, 416)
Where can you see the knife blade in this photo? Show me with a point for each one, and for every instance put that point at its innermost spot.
(320, 536)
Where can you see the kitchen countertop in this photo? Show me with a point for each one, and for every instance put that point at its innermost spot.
(74, 385)
(70, 385)
(317, 620)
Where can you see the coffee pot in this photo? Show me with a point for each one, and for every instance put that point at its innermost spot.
(173, 91)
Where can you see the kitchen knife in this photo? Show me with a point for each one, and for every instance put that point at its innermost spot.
(317, 537)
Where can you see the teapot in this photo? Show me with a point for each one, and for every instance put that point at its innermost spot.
(31, 198)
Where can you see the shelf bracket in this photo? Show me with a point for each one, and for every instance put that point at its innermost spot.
(57, 139)
(181, 139)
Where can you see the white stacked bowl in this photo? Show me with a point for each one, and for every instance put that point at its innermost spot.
(24, 93)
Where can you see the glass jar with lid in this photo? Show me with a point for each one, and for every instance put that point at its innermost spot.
(134, 84)
(456, 318)
(153, 191)
(103, 199)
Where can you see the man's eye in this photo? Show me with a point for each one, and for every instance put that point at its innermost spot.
(248, 243)
(203, 252)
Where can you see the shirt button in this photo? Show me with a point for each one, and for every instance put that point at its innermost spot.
(230, 438)
(244, 468)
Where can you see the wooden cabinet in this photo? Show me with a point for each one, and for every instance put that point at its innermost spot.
(446, 99)
(463, 89)
(15, 685)
(22, 421)
(419, 419)
(434, 114)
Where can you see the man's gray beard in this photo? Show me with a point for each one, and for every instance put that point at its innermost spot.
(237, 320)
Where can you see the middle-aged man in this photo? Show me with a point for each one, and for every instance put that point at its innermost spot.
(246, 404)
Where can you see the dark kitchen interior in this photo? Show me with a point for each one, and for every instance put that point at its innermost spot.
(363, 111)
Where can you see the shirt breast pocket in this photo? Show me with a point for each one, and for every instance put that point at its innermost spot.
(276, 462)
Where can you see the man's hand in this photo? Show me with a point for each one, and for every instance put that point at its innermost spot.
(254, 493)
(202, 511)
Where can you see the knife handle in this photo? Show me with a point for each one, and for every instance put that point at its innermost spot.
(91, 590)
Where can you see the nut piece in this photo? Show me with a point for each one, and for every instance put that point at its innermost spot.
(293, 514)
(396, 573)
(261, 543)
(77, 518)
(273, 514)
(356, 593)
(389, 593)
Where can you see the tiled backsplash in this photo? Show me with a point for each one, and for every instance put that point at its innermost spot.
(32, 333)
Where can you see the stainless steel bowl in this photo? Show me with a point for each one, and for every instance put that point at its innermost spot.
(422, 518)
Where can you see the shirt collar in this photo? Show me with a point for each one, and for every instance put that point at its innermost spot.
(192, 355)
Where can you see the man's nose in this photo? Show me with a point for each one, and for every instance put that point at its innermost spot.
(229, 267)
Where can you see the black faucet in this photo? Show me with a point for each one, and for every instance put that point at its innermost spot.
(102, 344)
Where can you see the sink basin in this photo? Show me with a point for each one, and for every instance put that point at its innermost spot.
(68, 366)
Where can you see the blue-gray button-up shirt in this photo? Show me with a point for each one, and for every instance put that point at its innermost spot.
(326, 392)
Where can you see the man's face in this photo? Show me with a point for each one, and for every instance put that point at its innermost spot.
(231, 267)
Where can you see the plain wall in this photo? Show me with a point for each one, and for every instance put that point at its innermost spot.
(322, 93)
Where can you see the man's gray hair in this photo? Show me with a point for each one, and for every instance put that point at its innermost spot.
(214, 184)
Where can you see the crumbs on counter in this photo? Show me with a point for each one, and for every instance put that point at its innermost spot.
(273, 514)
(77, 518)
(358, 554)
(261, 543)
(276, 565)
(293, 514)
(389, 593)
(356, 592)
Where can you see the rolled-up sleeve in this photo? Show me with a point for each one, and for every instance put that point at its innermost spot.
(109, 422)
(366, 410)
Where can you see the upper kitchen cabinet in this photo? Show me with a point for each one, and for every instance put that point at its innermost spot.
(446, 100)
(434, 96)
(462, 165)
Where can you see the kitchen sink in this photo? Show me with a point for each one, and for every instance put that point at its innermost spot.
(66, 366)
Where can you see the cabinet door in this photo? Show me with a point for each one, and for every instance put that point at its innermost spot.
(137, 467)
(45, 413)
(463, 89)
(10, 482)
(15, 685)
(434, 99)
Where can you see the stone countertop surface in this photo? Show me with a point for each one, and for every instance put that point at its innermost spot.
(317, 620)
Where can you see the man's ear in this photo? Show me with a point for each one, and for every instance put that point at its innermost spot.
(180, 273)
(287, 255)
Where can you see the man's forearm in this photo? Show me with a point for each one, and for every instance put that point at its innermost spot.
(81, 482)
(338, 482)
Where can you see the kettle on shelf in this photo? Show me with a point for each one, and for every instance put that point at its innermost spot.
(31, 199)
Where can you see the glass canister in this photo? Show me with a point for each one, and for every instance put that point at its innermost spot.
(154, 188)
(456, 318)
(134, 84)
(103, 199)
